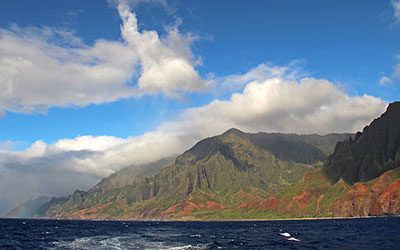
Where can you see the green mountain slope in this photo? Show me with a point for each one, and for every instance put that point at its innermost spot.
(221, 171)
(129, 175)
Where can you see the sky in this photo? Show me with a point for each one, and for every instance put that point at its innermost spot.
(90, 87)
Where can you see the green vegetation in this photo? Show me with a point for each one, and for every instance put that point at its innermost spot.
(224, 177)
(227, 177)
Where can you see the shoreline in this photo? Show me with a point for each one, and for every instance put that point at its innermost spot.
(228, 220)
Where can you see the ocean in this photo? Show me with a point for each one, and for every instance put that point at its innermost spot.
(367, 233)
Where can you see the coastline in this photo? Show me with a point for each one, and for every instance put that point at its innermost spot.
(221, 220)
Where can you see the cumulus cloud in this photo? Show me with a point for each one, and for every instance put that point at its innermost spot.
(36, 74)
(45, 67)
(307, 105)
(166, 65)
(261, 72)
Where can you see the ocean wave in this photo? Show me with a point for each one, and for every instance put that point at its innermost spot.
(116, 243)
(95, 242)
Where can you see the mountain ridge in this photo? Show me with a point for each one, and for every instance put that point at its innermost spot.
(252, 161)
(238, 175)
(371, 153)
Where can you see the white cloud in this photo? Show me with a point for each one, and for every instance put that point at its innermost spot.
(79, 163)
(396, 10)
(271, 104)
(92, 143)
(261, 72)
(394, 77)
(166, 65)
(268, 102)
(6, 145)
(45, 67)
(138, 150)
(98, 156)
(385, 80)
(276, 104)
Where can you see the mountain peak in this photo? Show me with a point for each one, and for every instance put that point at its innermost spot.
(394, 105)
(233, 131)
(393, 110)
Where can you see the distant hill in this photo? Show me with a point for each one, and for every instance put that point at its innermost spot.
(28, 209)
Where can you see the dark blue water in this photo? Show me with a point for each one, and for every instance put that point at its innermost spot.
(371, 233)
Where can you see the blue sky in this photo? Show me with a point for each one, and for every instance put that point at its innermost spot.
(349, 42)
(90, 87)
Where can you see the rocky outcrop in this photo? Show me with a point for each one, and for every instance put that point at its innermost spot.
(388, 202)
(381, 197)
(371, 152)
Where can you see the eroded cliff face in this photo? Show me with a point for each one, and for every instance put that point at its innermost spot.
(219, 167)
(313, 196)
(371, 153)
(381, 197)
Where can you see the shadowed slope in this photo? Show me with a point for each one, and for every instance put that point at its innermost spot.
(371, 153)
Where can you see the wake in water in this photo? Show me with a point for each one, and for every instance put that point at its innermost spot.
(373, 233)
(107, 243)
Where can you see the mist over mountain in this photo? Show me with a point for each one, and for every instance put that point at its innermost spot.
(234, 163)
(29, 209)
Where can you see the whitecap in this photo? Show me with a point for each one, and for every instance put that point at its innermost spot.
(181, 247)
(293, 239)
(285, 234)
(198, 246)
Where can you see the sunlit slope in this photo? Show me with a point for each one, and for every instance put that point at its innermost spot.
(221, 172)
